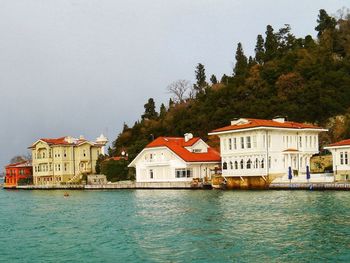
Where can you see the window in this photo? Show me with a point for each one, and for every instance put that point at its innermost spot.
(231, 165)
(230, 144)
(84, 153)
(224, 166)
(59, 167)
(310, 141)
(254, 141)
(249, 144)
(235, 143)
(151, 156)
(346, 158)
(262, 164)
(50, 153)
(300, 142)
(65, 167)
(43, 154)
(249, 164)
(65, 153)
(236, 165)
(341, 158)
(242, 164)
(151, 174)
(242, 142)
(305, 141)
(315, 141)
(183, 173)
(256, 163)
(225, 144)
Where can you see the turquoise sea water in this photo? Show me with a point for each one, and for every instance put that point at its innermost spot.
(174, 226)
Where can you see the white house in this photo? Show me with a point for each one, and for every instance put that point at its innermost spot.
(173, 159)
(341, 163)
(255, 147)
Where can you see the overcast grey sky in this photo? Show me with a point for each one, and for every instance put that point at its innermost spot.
(71, 67)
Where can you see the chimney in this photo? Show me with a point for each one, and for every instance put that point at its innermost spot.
(279, 119)
(188, 136)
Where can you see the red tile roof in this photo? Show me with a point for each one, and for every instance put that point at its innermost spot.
(56, 141)
(178, 144)
(340, 143)
(19, 164)
(253, 123)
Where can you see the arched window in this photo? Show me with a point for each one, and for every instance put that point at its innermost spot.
(231, 165)
(249, 164)
(262, 163)
(236, 165)
(242, 164)
(224, 166)
(256, 166)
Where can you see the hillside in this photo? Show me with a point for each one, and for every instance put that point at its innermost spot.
(303, 79)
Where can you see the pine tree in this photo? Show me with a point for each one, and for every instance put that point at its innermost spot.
(213, 79)
(325, 22)
(270, 44)
(241, 66)
(201, 83)
(259, 49)
(150, 110)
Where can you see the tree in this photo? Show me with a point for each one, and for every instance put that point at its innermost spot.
(162, 111)
(241, 67)
(259, 49)
(20, 158)
(178, 89)
(201, 83)
(213, 79)
(150, 110)
(325, 22)
(99, 161)
(270, 44)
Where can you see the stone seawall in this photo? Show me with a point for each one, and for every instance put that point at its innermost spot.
(310, 186)
(117, 185)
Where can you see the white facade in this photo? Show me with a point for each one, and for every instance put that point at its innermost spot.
(161, 164)
(262, 151)
(341, 162)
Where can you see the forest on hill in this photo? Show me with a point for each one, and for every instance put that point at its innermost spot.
(303, 79)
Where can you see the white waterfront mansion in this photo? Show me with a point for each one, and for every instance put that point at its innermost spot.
(175, 159)
(255, 147)
(341, 163)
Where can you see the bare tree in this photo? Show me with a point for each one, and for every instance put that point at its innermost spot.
(179, 89)
(21, 158)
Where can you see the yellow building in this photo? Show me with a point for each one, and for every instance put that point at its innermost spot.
(65, 159)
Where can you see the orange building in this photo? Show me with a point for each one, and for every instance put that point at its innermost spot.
(17, 171)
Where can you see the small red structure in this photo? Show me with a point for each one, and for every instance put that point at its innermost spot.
(17, 171)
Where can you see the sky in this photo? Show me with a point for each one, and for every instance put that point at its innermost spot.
(84, 67)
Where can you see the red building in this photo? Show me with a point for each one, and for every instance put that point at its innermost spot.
(17, 171)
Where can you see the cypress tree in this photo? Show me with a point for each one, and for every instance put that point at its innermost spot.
(162, 111)
(270, 44)
(259, 49)
(201, 83)
(241, 67)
